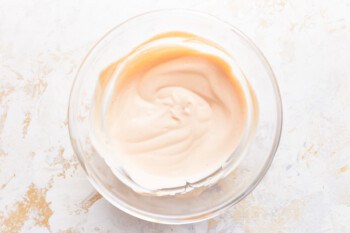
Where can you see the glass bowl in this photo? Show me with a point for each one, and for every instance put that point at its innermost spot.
(204, 202)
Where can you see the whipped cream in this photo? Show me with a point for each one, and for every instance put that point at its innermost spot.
(169, 113)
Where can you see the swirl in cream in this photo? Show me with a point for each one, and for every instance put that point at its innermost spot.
(168, 115)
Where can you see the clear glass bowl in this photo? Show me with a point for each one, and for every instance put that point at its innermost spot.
(206, 202)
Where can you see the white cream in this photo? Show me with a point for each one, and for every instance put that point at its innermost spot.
(168, 115)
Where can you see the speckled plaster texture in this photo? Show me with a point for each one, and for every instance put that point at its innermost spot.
(42, 186)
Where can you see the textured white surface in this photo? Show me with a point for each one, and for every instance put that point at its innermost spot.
(42, 187)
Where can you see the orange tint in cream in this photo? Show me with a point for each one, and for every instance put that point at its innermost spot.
(170, 113)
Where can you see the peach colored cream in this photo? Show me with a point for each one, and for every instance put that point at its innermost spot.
(168, 114)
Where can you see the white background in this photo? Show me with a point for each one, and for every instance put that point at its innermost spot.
(42, 187)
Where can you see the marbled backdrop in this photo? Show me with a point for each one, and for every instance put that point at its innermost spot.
(42, 186)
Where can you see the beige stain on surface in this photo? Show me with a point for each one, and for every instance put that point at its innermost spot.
(273, 6)
(69, 230)
(292, 27)
(7, 182)
(279, 3)
(65, 122)
(65, 163)
(212, 223)
(61, 151)
(36, 86)
(311, 150)
(343, 169)
(62, 163)
(3, 117)
(257, 219)
(6, 91)
(33, 206)
(36, 89)
(250, 212)
(26, 123)
(2, 153)
(264, 24)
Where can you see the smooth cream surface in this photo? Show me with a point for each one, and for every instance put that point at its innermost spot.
(167, 115)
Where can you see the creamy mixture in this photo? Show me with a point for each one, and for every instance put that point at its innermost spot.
(168, 114)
